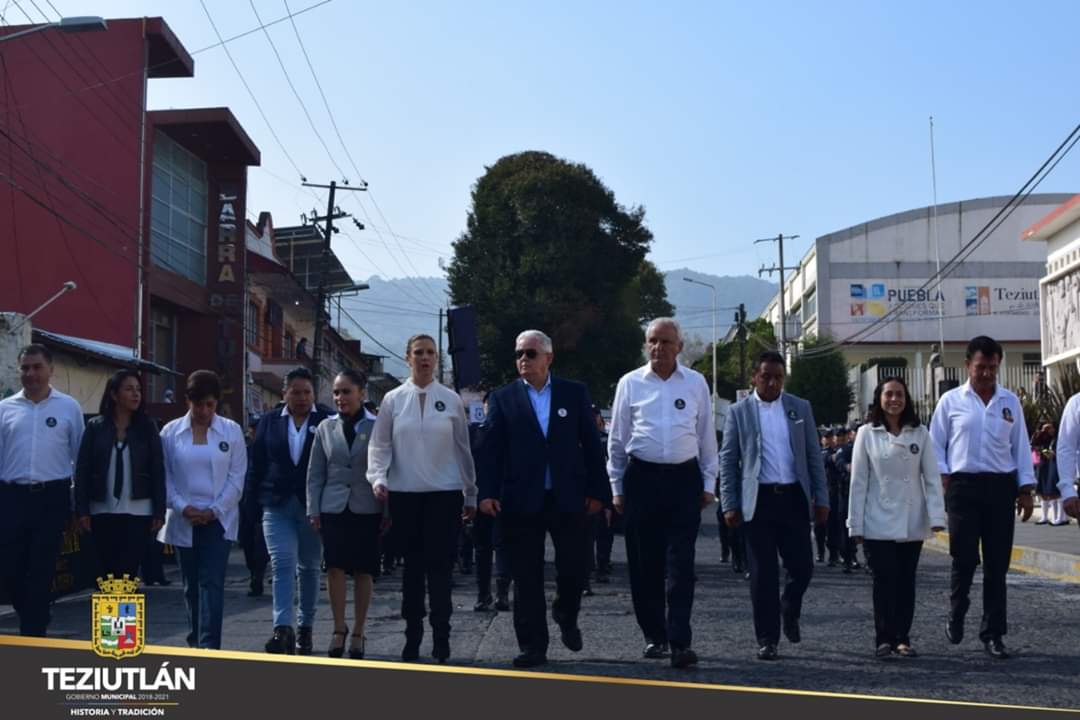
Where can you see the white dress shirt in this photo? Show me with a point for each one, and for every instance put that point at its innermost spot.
(39, 441)
(895, 486)
(209, 476)
(297, 435)
(420, 442)
(125, 505)
(662, 421)
(777, 459)
(1068, 447)
(972, 437)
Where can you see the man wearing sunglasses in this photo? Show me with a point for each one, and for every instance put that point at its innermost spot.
(663, 465)
(542, 472)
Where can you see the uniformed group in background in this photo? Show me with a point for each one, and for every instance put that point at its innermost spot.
(348, 492)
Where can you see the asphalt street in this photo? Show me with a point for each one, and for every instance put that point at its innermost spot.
(835, 655)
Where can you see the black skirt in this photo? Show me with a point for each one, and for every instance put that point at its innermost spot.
(1047, 474)
(351, 541)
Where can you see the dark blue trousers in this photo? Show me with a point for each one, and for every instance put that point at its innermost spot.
(203, 568)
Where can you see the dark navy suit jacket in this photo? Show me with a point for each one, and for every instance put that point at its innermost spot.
(272, 475)
(515, 453)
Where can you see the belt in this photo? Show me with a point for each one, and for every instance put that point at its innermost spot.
(663, 466)
(35, 486)
(779, 489)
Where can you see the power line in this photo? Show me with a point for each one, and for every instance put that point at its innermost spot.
(967, 249)
(251, 94)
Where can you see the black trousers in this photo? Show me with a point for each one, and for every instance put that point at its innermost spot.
(837, 525)
(895, 564)
(981, 511)
(601, 539)
(487, 537)
(120, 541)
(523, 536)
(427, 525)
(32, 520)
(153, 561)
(778, 527)
(256, 556)
(731, 541)
(663, 514)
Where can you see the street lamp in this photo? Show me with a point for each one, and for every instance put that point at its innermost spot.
(68, 24)
(713, 288)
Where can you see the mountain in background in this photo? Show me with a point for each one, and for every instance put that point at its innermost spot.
(393, 310)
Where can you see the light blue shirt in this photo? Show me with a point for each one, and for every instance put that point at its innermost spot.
(541, 405)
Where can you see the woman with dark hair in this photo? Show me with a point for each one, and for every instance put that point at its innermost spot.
(419, 459)
(120, 477)
(205, 464)
(896, 501)
(1044, 456)
(342, 508)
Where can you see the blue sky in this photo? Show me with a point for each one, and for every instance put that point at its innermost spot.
(727, 121)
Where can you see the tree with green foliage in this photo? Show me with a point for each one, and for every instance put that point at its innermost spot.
(759, 338)
(547, 246)
(821, 378)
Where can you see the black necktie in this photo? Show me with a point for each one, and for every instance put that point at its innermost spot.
(118, 477)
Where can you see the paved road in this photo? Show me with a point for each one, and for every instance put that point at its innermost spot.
(835, 654)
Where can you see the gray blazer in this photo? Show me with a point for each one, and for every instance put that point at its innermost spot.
(740, 455)
(337, 476)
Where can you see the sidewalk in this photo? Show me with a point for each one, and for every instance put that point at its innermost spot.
(1043, 550)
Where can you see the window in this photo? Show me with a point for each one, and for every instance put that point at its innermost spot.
(178, 210)
(809, 305)
(288, 346)
(251, 325)
(162, 352)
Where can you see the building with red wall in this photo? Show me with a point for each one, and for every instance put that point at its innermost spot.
(144, 210)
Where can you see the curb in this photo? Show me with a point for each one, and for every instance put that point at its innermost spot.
(1033, 561)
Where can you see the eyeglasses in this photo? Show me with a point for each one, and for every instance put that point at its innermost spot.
(527, 352)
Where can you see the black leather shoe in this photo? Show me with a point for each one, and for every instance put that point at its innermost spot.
(502, 603)
(768, 652)
(571, 637)
(996, 649)
(954, 630)
(655, 651)
(791, 629)
(737, 567)
(283, 641)
(683, 658)
(530, 660)
(304, 645)
(414, 634)
(484, 604)
(440, 649)
(255, 587)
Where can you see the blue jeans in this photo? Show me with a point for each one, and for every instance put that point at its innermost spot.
(203, 568)
(293, 545)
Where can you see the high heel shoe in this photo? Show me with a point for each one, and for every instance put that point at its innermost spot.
(357, 653)
(335, 650)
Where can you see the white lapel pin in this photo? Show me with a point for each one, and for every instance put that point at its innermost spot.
(561, 412)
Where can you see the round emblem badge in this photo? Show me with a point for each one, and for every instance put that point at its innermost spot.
(311, 429)
(914, 449)
(51, 422)
(680, 404)
(440, 405)
(223, 446)
(1007, 414)
(791, 414)
(561, 412)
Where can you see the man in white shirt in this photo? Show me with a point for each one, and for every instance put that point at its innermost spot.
(662, 464)
(984, 457)
(772, 479)
(1068, 450)
(40, 432)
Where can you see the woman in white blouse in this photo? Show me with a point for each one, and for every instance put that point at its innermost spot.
(205, 464)
(896, 501)
(419, 459)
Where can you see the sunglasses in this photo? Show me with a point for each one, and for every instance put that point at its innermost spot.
(527, 352)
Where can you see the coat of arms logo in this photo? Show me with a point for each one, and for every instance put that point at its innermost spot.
(119, 618)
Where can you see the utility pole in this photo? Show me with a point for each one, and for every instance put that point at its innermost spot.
(440, 346)
(779, 239)
(332, 213)
(740, 334)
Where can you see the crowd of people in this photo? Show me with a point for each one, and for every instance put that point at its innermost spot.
(351, 491)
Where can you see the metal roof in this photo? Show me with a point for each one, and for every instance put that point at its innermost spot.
(111, 354)
(300, 249)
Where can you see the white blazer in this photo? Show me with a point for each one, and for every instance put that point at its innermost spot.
(229, 464)
(895, 486)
